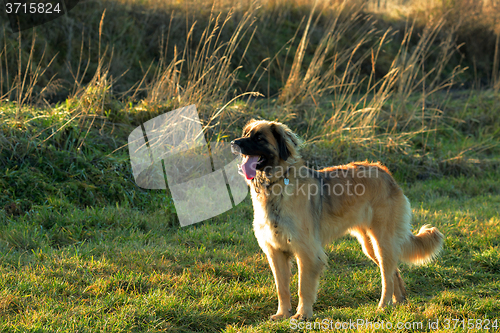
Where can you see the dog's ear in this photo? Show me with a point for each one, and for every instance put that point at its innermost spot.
(281, 140)
(288, 142)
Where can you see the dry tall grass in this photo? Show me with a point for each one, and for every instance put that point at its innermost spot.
(329, 70)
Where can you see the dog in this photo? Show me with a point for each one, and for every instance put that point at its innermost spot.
(298, 210)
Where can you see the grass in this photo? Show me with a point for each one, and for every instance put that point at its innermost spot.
(82, 248)
(136, 35)
(135, 272)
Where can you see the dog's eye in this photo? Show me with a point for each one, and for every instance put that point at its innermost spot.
(260, 138)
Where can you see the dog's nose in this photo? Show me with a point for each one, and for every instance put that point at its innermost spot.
(235, 148)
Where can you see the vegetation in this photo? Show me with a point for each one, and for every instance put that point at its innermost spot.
(82, 248)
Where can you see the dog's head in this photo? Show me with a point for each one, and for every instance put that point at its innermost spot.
(265, 145)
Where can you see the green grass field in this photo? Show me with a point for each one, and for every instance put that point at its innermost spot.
(135, 272)
(84, 249)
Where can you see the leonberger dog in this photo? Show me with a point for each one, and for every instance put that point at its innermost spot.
(298, 210)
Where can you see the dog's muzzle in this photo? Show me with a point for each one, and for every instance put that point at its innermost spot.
(235, 148)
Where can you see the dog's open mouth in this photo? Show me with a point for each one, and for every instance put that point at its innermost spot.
(250, 164)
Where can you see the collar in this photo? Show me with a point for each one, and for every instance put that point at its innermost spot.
(286, 180)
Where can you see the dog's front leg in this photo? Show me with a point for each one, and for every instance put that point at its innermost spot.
(310, 267)
(281, 267)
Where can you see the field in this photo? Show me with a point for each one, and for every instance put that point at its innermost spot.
(84, 249)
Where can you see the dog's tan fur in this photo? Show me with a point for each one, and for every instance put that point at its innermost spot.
(291, 223)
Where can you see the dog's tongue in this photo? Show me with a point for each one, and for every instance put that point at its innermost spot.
(249, 166)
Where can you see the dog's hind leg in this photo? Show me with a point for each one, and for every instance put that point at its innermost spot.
(365, 242)
(387, 260)
(281, 267)
(310, 264)
(399, 294)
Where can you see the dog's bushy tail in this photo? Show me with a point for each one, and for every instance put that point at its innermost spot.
(423, 247)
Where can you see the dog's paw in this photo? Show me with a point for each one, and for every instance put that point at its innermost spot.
(303, 313)
(302, 316)
(384, 305)
(279, 316)
(398, 300)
